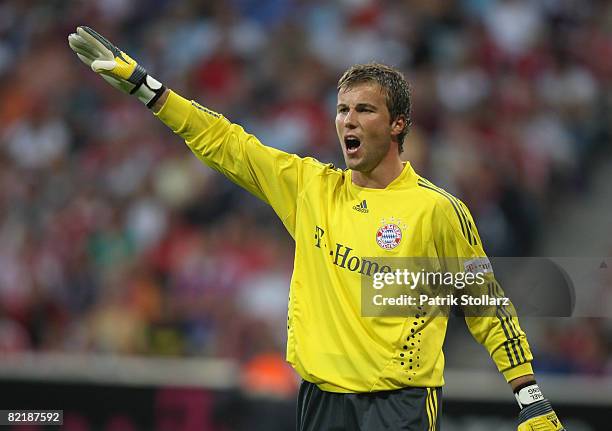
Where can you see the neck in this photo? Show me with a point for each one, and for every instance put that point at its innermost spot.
(382, 175)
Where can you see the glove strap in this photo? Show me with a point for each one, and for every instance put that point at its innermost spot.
(527, 394)
(533, 405)
(147, 89)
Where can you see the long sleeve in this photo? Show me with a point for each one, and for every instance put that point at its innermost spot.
(272, 175)
(495, 327)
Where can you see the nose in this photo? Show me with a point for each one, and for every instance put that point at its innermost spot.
(350, 119)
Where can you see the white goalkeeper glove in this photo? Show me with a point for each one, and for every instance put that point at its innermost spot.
(536, 412)
(115, 66)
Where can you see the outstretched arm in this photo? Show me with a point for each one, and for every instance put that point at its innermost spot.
(272, 175)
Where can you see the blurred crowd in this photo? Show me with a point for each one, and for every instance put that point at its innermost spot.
(115, 239)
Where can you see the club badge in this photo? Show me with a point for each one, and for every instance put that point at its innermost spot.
(389, 235)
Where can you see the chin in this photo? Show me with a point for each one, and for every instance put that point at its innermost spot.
(351, 163)
(357, 165)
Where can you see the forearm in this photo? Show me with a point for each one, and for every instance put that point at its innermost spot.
(212, 138)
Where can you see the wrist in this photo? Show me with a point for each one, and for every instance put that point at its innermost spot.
(528, 393)
(159, 103)
(148, 90)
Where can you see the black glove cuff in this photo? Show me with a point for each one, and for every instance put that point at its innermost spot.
(536, 409)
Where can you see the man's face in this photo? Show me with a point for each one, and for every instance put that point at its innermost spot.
(363, 123)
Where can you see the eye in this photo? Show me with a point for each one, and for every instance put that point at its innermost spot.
(342, 110)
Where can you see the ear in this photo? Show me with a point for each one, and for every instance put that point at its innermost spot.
(398, 125)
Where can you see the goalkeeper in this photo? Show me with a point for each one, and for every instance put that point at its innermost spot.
(359, 373)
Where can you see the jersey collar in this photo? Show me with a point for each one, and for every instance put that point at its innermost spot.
(405, 179)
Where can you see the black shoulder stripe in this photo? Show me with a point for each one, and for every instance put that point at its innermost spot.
(458, 210)
(468, 223)
(450, 197)
(452, 203)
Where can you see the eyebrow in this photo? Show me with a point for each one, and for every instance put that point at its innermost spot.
(359, 105)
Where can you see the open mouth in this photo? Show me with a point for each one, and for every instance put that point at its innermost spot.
(352, 144)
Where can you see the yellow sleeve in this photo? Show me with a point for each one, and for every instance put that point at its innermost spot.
(498, 329)
(272, 175)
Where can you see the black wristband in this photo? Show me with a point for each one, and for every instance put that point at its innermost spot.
(158, 94)
(524, 385)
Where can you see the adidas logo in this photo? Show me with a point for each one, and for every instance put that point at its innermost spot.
(362, 207)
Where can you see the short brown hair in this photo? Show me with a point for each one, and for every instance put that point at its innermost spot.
(393, 83)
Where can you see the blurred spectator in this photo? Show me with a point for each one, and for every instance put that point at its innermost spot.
(116, 239)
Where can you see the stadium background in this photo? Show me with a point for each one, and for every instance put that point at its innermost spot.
(135, 282)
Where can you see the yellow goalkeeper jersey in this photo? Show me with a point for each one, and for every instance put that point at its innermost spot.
(336, 225)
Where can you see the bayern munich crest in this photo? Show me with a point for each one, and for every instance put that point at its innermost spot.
(389, 236)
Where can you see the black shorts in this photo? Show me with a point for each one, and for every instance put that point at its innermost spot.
(408, 409)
